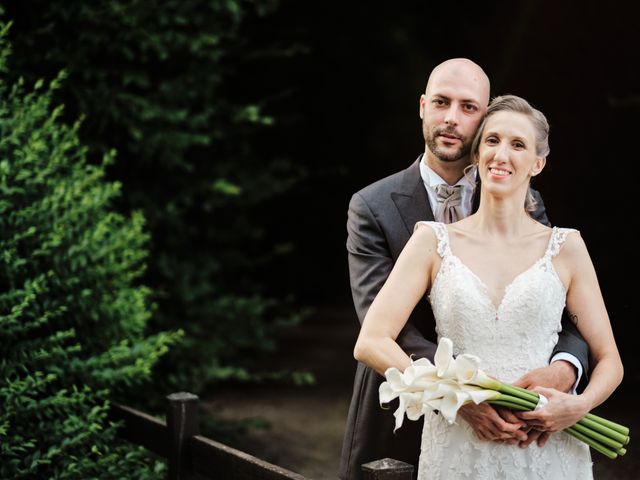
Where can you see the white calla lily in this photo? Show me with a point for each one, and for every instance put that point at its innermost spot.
(467, 367)
(419, 374)
(478, 395)
(386, 393)
(395, 378)
(414, 406)
(451, 403)
(444, 356)
(431, 405)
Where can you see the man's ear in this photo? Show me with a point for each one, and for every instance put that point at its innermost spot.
(421, 108)
(538, 166)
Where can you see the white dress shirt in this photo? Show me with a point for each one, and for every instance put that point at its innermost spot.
(431, 179)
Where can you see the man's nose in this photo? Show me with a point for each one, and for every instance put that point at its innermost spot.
(451, 117)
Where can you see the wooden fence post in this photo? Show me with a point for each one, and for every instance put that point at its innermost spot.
(182, 423)
(387, 469)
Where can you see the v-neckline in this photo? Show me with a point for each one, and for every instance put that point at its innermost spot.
(508, 286)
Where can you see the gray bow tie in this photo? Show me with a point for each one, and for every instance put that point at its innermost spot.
(449, 203)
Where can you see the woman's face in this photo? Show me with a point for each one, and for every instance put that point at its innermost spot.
(507, 156)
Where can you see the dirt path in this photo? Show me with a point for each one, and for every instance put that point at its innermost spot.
(307, 424)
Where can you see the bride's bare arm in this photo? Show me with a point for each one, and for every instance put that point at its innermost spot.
(408, 281)
(586, 306)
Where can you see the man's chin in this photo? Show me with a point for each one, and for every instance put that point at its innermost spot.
(447, 156)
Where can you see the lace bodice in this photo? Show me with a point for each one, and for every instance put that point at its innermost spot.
(511, 339)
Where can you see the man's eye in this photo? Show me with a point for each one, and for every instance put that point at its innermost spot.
(470, 107)
(438, 101)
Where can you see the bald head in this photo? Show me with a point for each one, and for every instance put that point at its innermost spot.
(465, 75)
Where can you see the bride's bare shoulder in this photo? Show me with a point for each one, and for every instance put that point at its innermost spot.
(573, 247)
(424, 234)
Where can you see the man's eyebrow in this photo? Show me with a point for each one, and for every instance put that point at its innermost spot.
(446, 97)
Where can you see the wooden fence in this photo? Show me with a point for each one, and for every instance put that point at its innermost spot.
(191, 456)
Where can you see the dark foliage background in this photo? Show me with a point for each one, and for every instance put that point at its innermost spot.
(165, 84)
(243, 127)
(361, 84)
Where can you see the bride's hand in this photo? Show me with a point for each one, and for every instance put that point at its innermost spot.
(489, 426)
(562, 411)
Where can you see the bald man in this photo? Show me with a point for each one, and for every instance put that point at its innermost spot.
(380, 221)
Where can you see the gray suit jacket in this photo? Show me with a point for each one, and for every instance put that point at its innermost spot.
(380, 221)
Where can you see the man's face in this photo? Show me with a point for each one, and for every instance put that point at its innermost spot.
(451, 110)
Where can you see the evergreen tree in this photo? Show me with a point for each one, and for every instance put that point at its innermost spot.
(72, 316)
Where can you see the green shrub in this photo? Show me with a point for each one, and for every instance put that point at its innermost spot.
(72, 316)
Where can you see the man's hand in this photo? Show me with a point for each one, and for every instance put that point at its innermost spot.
(535, 435)
(488, 425)
(532, 434)
(560, 375)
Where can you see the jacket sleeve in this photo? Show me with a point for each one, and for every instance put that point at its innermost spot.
(569, 339)
(370, 264)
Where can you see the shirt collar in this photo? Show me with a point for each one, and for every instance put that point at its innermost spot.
(432, 179)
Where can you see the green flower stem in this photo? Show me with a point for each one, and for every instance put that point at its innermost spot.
(603, 435)
(592, 443)
(598, 427)
(518, 401)
(588, 420)
(606, 446)
(608, 423)
(589, 440)
(604, 439)
(519, 392)
(504, 403)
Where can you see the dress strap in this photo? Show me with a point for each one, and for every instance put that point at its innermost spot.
(558, 237)
(441, 234)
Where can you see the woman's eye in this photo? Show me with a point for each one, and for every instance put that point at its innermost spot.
(491, 140)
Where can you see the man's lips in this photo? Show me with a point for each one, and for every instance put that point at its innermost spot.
(448, 136)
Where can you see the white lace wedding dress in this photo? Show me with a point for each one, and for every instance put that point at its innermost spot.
(511, 339)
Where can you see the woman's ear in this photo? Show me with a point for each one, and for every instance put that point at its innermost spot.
(538, 166)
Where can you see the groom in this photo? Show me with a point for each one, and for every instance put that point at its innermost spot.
(380, 221)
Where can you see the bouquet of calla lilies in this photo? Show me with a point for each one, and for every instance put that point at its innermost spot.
(454, 382)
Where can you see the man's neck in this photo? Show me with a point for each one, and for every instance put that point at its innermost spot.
(449, 171)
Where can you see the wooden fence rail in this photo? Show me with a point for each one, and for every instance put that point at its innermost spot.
(192, 456)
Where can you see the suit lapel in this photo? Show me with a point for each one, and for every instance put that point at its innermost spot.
(411, 198)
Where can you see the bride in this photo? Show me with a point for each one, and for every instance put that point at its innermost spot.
(498, 282)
